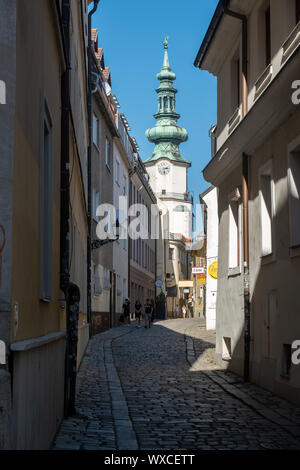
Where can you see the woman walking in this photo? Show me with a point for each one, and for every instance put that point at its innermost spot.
(148, 313)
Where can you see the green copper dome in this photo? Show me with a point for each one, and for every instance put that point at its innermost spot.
(166, 135)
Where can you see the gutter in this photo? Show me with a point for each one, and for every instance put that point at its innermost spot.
(210, 34)
(71, 291)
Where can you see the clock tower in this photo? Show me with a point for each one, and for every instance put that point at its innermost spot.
(167, 171)
(166, 167)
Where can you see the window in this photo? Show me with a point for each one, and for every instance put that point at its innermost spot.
(171, 253)
(234, 234)
(235, 81)
(171, 103)
(297, 11)
(124, 288)
(268, 35)
(286, 363)
(294, 197)
(96, 202)
(266, 210)
(96, 130)
(165, 103)
(46, 159)
(107, 153)
(97, 285)
(124, 185)
(117, 178)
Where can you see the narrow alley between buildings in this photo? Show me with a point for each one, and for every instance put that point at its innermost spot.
(159, 388)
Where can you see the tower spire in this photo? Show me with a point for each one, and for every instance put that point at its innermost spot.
(166, 134)
(166, 64)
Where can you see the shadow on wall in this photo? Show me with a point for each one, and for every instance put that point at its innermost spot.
(274, 281)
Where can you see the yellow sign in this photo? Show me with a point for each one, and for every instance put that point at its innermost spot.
(213, 270)
(201, 279)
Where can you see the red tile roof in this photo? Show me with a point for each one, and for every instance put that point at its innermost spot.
(99, 53)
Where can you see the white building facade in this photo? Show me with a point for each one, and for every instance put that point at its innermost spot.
(209, 200)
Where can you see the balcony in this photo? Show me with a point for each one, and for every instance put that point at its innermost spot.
(179, 196)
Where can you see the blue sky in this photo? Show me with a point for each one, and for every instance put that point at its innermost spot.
(131, 33)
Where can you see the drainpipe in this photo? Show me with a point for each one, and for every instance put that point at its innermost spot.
(89, 170)
(247, 337)
(244, 20)
(71, 291)
(245, 164)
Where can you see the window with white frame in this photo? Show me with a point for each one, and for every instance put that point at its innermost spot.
(234, 231)
(95, 130)
(107, 152)
(266, 209)
(46, 162)
(294, 197)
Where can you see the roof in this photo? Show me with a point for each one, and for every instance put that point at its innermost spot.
(210, 33)
(94, 34)
(99, 53)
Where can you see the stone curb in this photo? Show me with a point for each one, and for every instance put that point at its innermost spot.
(125, 434)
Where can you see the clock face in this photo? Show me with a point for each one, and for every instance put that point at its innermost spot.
(164, 168)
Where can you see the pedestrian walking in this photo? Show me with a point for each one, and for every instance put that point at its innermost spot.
(148, 313)
(184, 311)
(126, 311)
(176, 311)
(138, 313)
(153, 312)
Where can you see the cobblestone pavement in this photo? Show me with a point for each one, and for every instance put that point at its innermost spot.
(159, 388)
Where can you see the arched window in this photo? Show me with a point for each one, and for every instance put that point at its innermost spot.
(165, 103)
(171, 104)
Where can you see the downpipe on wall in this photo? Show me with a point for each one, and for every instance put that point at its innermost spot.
(71, 291)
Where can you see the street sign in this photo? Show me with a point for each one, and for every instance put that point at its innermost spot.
(201, 278)
(158, 283)
(198, 270)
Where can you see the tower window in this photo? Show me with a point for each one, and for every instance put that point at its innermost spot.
(165, 103)
(171, 104)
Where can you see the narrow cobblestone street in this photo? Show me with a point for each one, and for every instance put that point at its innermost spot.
(160, 389)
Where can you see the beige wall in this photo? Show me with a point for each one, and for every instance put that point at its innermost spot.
(35, 317)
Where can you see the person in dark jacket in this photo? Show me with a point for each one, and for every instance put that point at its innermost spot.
(126, 311)
(138, 312)
(148, 313)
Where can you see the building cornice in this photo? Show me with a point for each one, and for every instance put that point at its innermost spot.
(271, 109)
